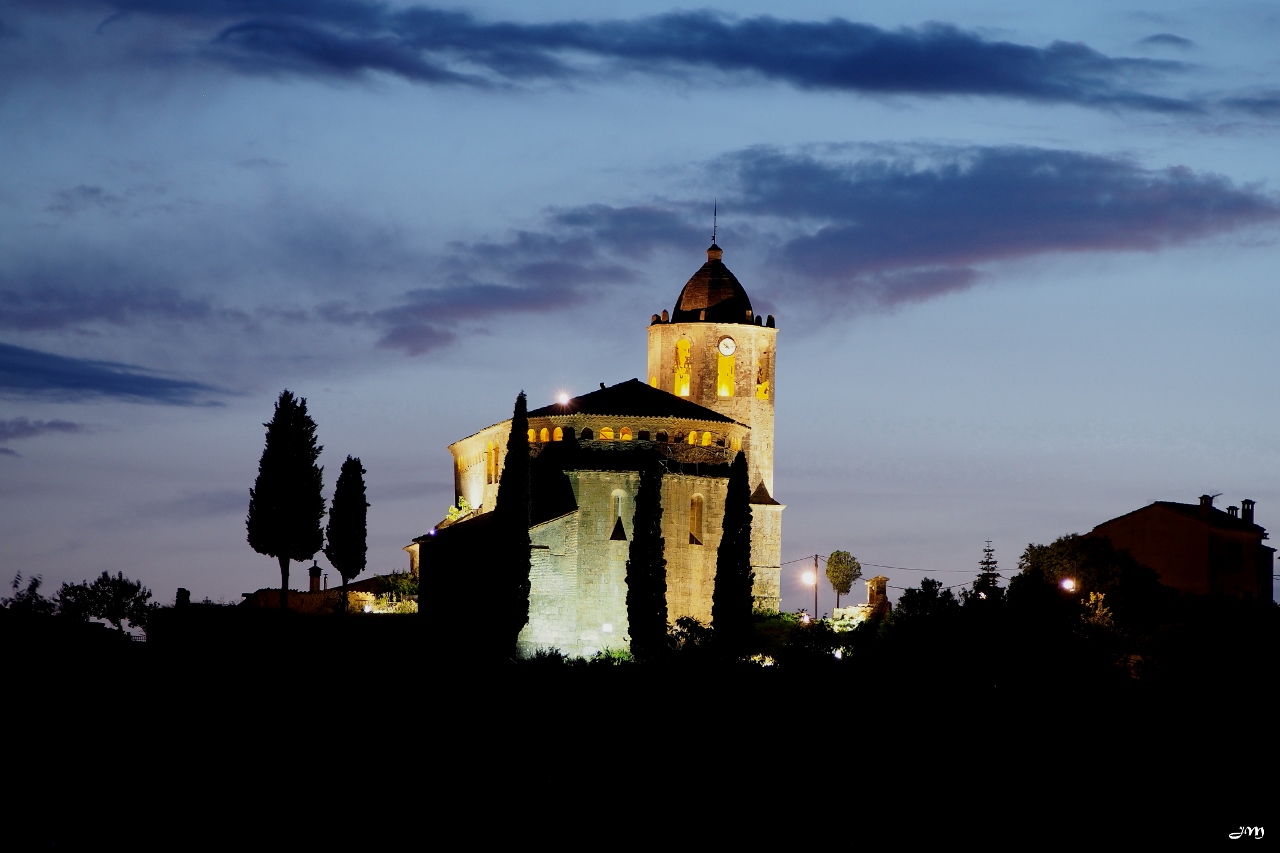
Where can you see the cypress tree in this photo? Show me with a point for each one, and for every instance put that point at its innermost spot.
(285, 503)
(347, 532)
(511, 518)
(731, 599)
(647, 568)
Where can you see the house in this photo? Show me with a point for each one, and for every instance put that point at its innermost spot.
(1198, 548)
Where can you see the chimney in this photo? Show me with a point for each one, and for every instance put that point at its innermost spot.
(1206, 504)
(1233, 511)
(314, 571)
(183, 599)
(1246, 513)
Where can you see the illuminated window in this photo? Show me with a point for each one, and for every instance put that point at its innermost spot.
(625, 434)
(533, 436)
(683, 370)
(545, 435)
(695, 520)
(587, 434)
(706, 439)
(653, 381)
(764, 371)
(693, 436)
(606, 434)
(558, 435)
(724, 375)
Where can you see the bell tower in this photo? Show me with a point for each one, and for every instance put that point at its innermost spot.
(714, 350)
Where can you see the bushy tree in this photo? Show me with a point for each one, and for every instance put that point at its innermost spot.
(285, 503)
(1094, 564)
(929, 604)
(842, 570)
(511, 518)
(114, 599)
(731, 598)
(647, 568)
(347, 532)
(28, 601)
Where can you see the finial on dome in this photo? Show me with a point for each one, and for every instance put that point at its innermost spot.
(714, 252)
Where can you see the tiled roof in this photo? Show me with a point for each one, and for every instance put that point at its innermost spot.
(713, 295)
(632, 398)
(1214, 518)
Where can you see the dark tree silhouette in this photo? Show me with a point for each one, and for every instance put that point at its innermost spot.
(285, 503)
(930, 604)
(986, 588)
(842, 570)
(28, 601)
(647, 568)
(731, 599)
(511, 518)
(347, 532)
(114, 599)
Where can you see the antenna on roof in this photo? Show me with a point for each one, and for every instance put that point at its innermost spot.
(715, 209)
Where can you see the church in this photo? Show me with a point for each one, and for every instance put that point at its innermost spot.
(709, 395)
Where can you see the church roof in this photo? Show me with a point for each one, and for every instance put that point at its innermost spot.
(634, 398)
(1213, 517)
(713, 295)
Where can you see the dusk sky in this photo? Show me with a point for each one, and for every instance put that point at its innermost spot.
(1024, 260)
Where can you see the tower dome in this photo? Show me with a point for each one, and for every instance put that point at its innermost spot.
(713, 295)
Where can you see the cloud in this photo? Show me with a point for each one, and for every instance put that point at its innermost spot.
(350, 39)
(914, 223)
(16, 428)
(1168, 40)
(1262, 105)
(28, 373)
(76, 199)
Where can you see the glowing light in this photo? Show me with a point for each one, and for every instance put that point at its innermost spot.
(368, 608)
(563, 398)
(1068, 584)
(809, 578)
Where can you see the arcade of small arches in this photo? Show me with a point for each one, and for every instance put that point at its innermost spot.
(703, 438)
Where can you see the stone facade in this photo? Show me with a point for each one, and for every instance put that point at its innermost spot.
(709, 395)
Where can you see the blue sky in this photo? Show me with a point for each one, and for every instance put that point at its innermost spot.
(1023, 260)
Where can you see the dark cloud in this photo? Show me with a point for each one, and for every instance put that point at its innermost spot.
(352, 38)
(42, 301)
(1264, 105)
(16, 428)
(1168, 40)
(28, 373)
(887, 229)
(76, 199)
(574, 258)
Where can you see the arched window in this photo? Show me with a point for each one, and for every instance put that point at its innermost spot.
(695, 520)
(587, 434)
(625, 434)
(706, 439)
(558, 435)
(661, 437)
(684, 371)
(693, 436)
(606, 433)
(545, 435)
(619, 533)
(724, 375)
(533, 436)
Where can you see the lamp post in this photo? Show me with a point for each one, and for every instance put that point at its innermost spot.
(1069, 584)
(811, 578)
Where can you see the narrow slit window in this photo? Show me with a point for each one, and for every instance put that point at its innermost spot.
(684, 371)
(695, 520)
(724, 375)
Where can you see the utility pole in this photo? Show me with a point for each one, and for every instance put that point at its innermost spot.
(815, 586)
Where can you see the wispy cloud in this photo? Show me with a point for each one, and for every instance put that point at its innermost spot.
(27, 373)
(349, 39)
(19, 428)
(1168, 40)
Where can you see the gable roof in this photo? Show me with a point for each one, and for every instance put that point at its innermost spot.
(632, 398)
(1214, 518)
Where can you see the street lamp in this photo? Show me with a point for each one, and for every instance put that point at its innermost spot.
(811, 579)
(1069, 584)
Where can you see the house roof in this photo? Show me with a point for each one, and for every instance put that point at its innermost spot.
(713, 295)
(632, 398)
(1214, 518)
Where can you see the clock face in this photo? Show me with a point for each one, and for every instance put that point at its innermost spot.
(727, 346)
